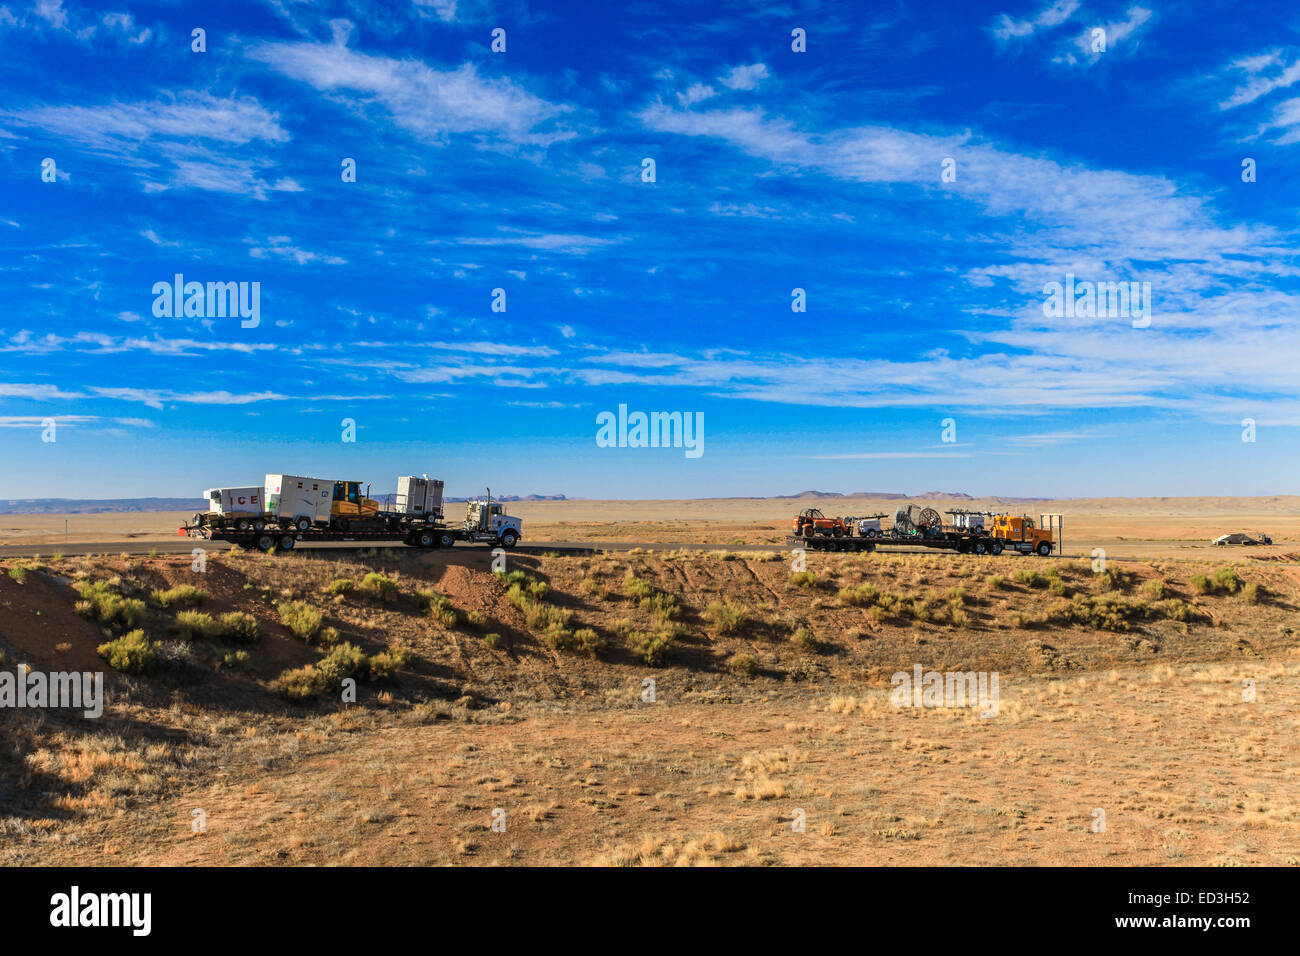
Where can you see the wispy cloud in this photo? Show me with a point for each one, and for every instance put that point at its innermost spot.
(428, 102)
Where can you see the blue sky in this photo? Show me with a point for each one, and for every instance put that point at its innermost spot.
(774, 170)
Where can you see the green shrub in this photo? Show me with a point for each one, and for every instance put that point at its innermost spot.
(103, 604)
(299, 684)
(864, 595)
(1030, 578)
(1154, 590)
(19, 573)
(995, 581)
(587, 641)
(183, 595)
(727, 618)
(343, 586)
(300, 618)
(636, 588)
(662, 607)
(1224, 580)
(1252, 593)
(132, 653)
(343, 661)
(513, 577)
(476, 620)
(1176, 610)
(743, 665)
(378, 587)
(388, 662)
(239, 626)
(442, 612)
(1115, 579)
(803, 639)
(195, 624)
(493, 640)
(1227, 580)
(651, 648)
(232, 659)
(803, 579)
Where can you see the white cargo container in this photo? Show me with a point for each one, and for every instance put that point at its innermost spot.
(299, 501)
(419, 496)
(869, 527)
(235, 501)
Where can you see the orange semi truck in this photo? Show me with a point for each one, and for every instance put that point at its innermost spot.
(1019, 533)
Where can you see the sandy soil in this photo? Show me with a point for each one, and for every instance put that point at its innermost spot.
(1127, 527)
(1146, 719)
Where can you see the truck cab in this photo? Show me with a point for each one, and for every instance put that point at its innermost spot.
(1019, 532)
(487, 521)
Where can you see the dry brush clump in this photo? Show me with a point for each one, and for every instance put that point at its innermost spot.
(132, 653)
(100, 602)
(182, 595)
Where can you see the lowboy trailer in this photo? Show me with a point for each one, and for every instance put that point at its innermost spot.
(966, 534)
(485, 523)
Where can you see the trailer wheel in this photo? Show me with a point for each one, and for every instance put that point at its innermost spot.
(425, 539)
(302, 524)
(265, 542)
(995, 546)
(287, 542)
(242, 524)
(509, 540)
(981, 547)
(446, 540)
(1043, 549)
(258, 525)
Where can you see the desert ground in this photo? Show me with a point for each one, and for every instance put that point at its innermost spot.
(1146, 711)
(1125, 527)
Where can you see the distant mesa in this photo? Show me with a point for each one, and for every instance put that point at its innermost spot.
(77, 506)
(837, 494)
(90, 506)
(515, 498)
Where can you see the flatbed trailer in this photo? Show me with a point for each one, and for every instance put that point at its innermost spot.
(965, 544)
(282, 539)
(946, 541)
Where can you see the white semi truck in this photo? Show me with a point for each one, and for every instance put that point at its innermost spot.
(290, 509)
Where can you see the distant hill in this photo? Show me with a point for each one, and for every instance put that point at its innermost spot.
(839, 494)
(85, 506)
(516, 498)
(78, 506)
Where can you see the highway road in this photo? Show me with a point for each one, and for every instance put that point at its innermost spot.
(187, 545)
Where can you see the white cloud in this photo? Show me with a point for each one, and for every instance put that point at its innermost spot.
(696, 93)
(52, 12)
(1005, 28)
(1116, 35)
(427, 102)
(282, 247)
(744, 77)
(1259, 86)
(188, 116)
